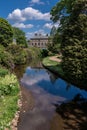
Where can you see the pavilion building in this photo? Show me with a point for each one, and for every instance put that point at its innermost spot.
(39, 41)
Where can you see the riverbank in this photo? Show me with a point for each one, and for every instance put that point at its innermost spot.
(27, 105)
(73, 113)
(53, 64)
(9, 95)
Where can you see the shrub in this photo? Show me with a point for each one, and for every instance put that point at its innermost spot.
(44, 52)
(3, 71)
(8, 85)
(19, 54)
(6, 58)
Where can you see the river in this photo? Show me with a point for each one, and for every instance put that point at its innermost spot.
(41, 91)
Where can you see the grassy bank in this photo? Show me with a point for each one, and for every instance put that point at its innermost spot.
(9, 95)
(53, 66)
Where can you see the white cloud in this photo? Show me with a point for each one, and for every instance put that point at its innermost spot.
(22, 25)
(16, 15)
(31, 34)
(40, 31)
(28, 13)
(48, 25)
(36, 2)
(57, 24)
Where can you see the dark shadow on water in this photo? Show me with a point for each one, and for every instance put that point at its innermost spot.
(71, 81)
(48, 91)
(74, 113)
(50, 83)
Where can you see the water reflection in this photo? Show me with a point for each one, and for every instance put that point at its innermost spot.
(47, 90)
(50, 83)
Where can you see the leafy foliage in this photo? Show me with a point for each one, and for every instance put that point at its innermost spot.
(9, 89)
(3, 72)
(6, 32)
(53, 31)
(73, 29)
(44, 52)
(6, 58)
(8, 85)
(19, 54)
(19, 36)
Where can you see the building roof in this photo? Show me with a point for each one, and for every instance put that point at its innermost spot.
(39, 36)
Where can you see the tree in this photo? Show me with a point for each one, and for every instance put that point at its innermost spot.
(54, 41)
(53, 31)
(19, 36)
(73, 28)
(6, 32)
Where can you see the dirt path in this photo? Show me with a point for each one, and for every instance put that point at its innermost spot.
(55, 58)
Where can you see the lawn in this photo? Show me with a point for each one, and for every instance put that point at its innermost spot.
(53, 66)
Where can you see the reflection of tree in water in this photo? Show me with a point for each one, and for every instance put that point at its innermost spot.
(74, 113)
(68, 85)
(36, 63)
(20, 69)
(52, 76)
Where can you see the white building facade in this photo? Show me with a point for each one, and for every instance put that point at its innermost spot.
(39, 41)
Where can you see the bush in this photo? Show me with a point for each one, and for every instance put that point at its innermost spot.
(35, 52)
(8, 85)
(9, 94)
(6, 58)
(19, 54)
(3, 71)
(44, 53)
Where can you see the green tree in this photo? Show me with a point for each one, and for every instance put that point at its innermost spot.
(54, 41)
(73, 28)
(6, 32)
(53, 31)
(19, 36)
(6, 59)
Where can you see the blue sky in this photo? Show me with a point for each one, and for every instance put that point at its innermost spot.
(32, 16)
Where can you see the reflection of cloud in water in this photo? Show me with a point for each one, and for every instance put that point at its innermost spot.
(31, 76)
(38, 118)
(45, 94)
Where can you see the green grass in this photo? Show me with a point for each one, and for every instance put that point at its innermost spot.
(53, 66)
(8, 107)
(48, 62)
(9, 91)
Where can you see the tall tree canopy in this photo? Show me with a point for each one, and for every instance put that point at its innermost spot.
(6, 32)
(53, 31)
(19, 36)
(73, 28)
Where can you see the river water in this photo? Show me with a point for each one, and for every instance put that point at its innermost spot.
(47, 90)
